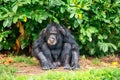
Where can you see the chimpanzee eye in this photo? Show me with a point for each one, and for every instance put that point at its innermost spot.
(53, 30)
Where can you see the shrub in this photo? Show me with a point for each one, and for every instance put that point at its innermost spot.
(95, 23)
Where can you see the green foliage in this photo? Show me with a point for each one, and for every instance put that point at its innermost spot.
(3, 42)
(95, 23)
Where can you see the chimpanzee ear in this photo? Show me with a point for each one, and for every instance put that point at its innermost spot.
(42, 35)
(44, 31)
(62, 30)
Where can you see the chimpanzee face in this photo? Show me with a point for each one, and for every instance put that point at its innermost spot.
(52, 34)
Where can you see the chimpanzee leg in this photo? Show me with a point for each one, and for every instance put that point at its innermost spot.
(43, 61)
(41, 57)
(74, 61)
(44, 57)
(65, 56)
(48, 56)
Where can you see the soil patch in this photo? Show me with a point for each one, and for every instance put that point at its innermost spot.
(85, 64)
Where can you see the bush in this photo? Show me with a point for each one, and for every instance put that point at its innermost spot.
(95, 23)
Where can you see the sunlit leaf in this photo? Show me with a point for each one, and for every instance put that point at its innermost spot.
(7, 23)
(25, 19)
(72, 15)
(62, 9)
(15, 19)
(15, 8)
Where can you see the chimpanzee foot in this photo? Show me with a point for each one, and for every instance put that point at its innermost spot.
(52, 66)
(67, 66)
(45, 65)
(57, 64)
(48, 66)
(77, 66)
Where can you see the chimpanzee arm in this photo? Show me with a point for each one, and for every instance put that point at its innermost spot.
(39, 51)
(65, 56)
(69, 38)
(36, 47)
(75, 57)
(47, 54)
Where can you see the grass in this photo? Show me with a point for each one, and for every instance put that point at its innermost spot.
(19, 59)
(96, 61)
(97, 74)
(8, 73)
(27, 60)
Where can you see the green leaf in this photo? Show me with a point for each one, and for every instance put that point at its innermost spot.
(76, 24)
(117, 19)
(106, 21)
(82, 39)
(103, 14)
(4, 9)
(4, 34)
(62, 9)
(105, 47)
(92, 51)
(56, 3)
(92, 30)
(89, 35)
(86, 7)
(15, 19)
(14, 9)
(7, 23)
(79, 21)
(72, 15)
(100, 37)
(56, 20)
(113, 46)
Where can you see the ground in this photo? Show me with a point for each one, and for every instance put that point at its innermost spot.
(85, 64)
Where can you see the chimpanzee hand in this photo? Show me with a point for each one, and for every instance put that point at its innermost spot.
(46, 65)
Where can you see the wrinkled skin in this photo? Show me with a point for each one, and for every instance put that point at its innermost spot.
(56, 47)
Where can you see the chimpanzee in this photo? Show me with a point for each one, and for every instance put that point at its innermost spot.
(56, 47)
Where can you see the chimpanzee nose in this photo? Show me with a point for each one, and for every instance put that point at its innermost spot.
(52, 40)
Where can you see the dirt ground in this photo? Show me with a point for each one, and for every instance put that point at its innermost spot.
(85, 64)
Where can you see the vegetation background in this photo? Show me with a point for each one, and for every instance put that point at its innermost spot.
(94, 23)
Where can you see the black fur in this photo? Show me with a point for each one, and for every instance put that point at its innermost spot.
(55, 47)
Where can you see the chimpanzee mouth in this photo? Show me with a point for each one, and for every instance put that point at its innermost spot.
(52, 42)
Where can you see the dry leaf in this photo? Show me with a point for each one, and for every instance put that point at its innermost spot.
(22, 32)
(8, 61)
